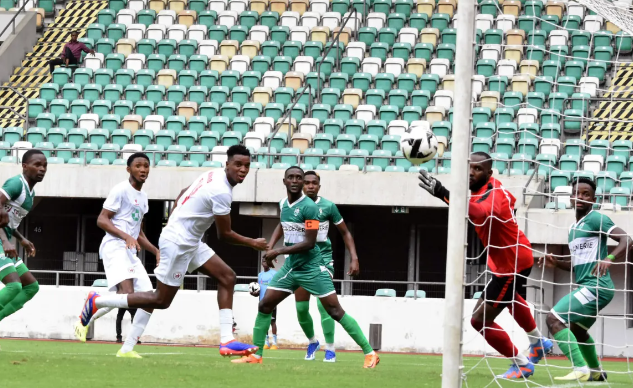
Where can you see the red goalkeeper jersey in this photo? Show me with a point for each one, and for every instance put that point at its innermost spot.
(491, 209)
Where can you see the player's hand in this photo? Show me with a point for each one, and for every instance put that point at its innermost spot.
(601, 268)
(4, 218)
(30, 248)
(9, 250)
(549, 261)
(270, 256)
(430, 184)
(260, 244)
(131, 243)
(157, 254)
(354, 268)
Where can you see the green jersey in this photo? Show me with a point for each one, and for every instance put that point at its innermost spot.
(20, 197)
(588, 245)
(295, 219)
(328, 213)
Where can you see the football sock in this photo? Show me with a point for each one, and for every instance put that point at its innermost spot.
(262, 323)
(101, 312)
(327, 323)
(115, 301)
(305, 319)
(138, 327)
(568, 344)
(496, 337)
(522, 314)
(520, 359)
(588, 350)
(351, 327)
(274, 339)
(267, 343)
(26, 293)
(535, 336)
(226, 325)
(9, 292)
(330, 347)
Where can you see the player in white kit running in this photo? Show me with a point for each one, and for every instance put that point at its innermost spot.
(122, 218)
(206, 201)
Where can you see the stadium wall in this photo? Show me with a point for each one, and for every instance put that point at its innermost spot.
(15, 46)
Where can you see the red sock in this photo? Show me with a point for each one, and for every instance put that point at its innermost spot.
(521, 313)
(496, 337)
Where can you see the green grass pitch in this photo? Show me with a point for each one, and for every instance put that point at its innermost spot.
(54, 364)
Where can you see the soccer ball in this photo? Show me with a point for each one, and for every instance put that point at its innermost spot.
(418, 145)
(253, 288)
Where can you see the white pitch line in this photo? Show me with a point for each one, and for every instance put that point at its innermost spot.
(573, 385)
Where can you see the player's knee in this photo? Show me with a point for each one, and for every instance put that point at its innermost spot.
(551, 320)
(476, 323)
(264, 307)
(12, 289)
(336, 312)
(163, 302)
(228, 278)
(31, 290)
(302, 308)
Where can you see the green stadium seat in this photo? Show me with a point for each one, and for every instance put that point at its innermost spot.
(65, 151)
(386, 292)
(167, 163)
(35, 135)
(36, 106)
(620, 196)
(165, 108)
(165, 138)
(335, 157)
(313, 156)
(77, 136)
(606, 180)
(100, 137)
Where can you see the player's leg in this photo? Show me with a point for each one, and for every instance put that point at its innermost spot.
(273, 327)
(328, 326)
(587, 348)
(140, 319)
(29, 288)
(10, 279)
(119, 321)
(208, 263)
(302, 304)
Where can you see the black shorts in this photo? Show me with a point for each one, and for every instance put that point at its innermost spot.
(501, 289)
(274, 315)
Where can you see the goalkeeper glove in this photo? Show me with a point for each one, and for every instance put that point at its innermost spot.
(433, 186)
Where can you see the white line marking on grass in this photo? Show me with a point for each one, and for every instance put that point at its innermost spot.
(578, 384)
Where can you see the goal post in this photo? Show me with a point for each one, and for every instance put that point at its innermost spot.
(458, 209)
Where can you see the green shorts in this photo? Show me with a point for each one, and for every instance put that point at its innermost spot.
(315, 279)
(581, 306)
(9, 265)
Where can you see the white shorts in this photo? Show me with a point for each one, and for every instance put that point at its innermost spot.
(121, 264)
(175, 261)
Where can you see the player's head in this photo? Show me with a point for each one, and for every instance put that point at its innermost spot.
(311, 184)
(265, 266)
(73, 36)
(293, 179)
(138, 167)
(34, 165)
(480, 170)
(583, 194)
(238, 164)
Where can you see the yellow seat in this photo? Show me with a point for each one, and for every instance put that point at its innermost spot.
(301, 141)
(490, 100)
(352, 97)
(514, 53)
(157, 5)
(521, 83)
(186, 17)
(300, 6)
(426, 6)
(529, 67)
(263, 95)
(447, 7)
(320, 34)
(219, 63)
(556, 8)
(294, 80)
(177, 5)
(125, 46)
(279, 6)
(166, 77)
(345, 34)
(515, 37)
(448, 82)
(512, 7)
(416, 66)
(229, 48)
(132, 122)
(250, 48)
(259, 6)
(435, 113)
(430, 35)
(187, 109)
(288, 125)
(612, 27)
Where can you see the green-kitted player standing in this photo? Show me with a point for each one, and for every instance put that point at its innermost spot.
(573, 315)
(16, 200)
(328, 215)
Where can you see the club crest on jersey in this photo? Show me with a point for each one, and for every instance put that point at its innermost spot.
(320, 211)
(177, 276)
(131, 270)
(297, 212)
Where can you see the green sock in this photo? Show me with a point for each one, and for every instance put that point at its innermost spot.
(260, 331)
(9, 292)
(27, 293)
(305, 319)
(327, 323)
(351, 327)
(588, 350)
(568, 343)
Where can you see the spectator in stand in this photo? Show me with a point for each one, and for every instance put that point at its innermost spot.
(71, 54)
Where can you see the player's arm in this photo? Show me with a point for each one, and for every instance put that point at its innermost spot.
(433, 186)
(4, 216)
(354, 267)
(619, 254)
(26, 244)
(228, 235)
(7, 246)
(104, 221)
(145, 243)
(308, 243)
(278, 233)
(550, 261)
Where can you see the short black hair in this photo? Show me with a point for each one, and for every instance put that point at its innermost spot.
(135, 155)
(292, 168)
(237, 150)
(29, 154)
(74, 32)
(585, 180)
(311, 172)
(485, 155)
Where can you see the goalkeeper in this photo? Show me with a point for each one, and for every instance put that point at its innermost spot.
(576, 312)
(491, 210)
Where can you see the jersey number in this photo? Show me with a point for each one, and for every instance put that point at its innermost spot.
(198, 186)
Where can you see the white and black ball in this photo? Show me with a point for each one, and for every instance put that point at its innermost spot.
(419, 145)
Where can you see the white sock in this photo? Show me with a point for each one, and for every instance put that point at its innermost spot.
(583, 369)
(312, 340)
(138, 327)
(115, 301)
(274, 339)
(535, 336)
(226, 326)
(329, 347)
(101, 312)
(372, 352)
(520, 359)
(256, 356)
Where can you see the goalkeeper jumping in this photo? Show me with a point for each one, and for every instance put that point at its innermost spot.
(491, 210)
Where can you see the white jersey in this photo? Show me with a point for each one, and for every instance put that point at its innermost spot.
(209, 195)
(129, 206)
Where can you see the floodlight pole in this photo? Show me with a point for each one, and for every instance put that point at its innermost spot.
(452, 366)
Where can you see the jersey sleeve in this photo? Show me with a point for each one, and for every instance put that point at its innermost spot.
(221, 204)
(602, 223)
(12, 188)
(335, 215)
(113, 201)
(311, 217)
